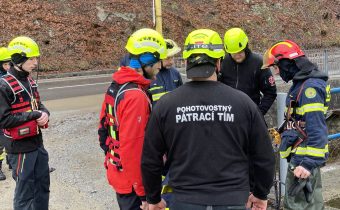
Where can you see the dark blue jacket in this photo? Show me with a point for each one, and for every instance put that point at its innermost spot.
(309, 108)
(166, 81)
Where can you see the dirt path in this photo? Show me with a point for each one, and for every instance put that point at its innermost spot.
(79, 181)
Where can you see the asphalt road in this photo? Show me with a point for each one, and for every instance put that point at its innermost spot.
(51, 89)
(69, 87)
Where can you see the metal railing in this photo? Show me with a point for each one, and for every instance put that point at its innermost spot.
(328, 60)
(337, 135)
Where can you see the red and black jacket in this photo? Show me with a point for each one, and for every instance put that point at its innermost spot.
(15, 109)
(123, 120)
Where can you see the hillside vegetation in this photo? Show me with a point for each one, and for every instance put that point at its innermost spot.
(80, 35)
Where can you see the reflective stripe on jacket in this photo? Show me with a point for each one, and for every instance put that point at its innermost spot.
(166, 81)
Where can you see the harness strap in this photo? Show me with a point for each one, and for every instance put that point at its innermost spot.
(114, 157)
(289, 115)
(13, 84)
(120, 92)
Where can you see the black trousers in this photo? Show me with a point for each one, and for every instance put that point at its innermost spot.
(31, 174)
(129, 201)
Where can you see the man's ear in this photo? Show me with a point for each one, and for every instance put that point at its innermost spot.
(218, 65)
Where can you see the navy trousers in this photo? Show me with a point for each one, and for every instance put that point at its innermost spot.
(31, 174)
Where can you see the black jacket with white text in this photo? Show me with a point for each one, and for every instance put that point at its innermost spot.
(209, 140)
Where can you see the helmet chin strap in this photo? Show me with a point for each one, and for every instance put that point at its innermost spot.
(145, 74)
(218, 74)
(20, 67)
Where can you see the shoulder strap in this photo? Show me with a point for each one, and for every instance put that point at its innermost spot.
(32, 82)
(298, 96)
(13, 83)
(120, 92)
(300, 91)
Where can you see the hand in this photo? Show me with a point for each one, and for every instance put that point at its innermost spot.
(301, 172)
(255, 203)
(144, 206)
(43, 119)
(159, 206)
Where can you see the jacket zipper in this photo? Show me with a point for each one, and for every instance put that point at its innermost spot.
(236, 76)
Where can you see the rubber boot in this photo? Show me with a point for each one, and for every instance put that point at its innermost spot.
(2, 175)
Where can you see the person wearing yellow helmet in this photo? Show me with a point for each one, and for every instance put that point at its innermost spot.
(22, 116)
(208, 139)
(241, 69)
(124, 114)
(5, 59)
(168, 78)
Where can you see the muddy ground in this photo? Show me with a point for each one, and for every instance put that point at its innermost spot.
(79, 181)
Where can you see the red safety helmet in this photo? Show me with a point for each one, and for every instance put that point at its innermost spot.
(285, 49)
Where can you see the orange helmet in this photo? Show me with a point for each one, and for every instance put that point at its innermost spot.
(285, 49)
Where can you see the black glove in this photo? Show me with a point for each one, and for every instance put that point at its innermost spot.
(302, 184)
(297, 186)
(308, 190)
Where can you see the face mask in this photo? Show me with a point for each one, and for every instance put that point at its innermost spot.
(288, 69)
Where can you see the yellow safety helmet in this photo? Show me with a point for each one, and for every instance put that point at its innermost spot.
(203, 41)
(4, 54)
(235, 40)
(24, 46)
(172, 47)
(147, 40)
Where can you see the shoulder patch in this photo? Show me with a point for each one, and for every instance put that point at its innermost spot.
(310, 92)
(271, 80)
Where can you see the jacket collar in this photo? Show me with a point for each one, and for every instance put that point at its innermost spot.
(126, 74)
(20, 75)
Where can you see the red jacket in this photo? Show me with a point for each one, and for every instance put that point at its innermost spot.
(132, 113)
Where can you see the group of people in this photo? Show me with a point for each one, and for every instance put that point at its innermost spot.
(199, 145)
(208, 137)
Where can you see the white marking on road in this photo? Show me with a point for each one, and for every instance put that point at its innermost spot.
(71, 86)
(74, 78)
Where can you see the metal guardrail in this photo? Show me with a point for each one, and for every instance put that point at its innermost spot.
(335, 90)
(333, 136)
(328, 60)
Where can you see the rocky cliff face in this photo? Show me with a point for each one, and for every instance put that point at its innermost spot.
(79, 35)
